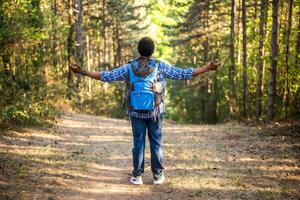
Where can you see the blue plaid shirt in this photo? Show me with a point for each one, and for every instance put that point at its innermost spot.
(166, 71)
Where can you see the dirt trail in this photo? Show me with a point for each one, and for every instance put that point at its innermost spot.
(88, 157)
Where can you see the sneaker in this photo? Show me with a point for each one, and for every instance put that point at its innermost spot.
(159, 179)
(136, 180)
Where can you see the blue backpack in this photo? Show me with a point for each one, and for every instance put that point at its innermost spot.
(144, 93)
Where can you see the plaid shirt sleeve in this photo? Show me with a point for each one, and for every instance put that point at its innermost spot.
(176, 73)
(118, 74)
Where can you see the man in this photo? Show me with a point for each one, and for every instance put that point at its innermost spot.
(146, 113)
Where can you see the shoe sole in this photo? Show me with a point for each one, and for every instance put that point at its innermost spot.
(135, 183)
(158, 183)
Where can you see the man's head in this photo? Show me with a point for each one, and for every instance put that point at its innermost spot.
(146, 47)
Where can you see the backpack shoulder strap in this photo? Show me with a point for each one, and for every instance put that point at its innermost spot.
(156, 61)
(127, 80)
(130, 63)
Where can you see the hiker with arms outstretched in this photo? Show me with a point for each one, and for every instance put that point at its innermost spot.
(145, 80)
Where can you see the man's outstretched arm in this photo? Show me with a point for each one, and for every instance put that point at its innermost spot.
(79, 70)
(176, 73)
(209, 67)
(118, 74)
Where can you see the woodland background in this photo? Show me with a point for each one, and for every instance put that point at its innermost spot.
(258, 40)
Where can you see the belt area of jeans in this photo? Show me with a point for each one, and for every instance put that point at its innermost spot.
(142, 111)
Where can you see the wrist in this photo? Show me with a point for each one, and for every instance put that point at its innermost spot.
(83, 72)
(206, 67)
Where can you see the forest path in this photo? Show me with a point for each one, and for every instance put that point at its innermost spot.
(89, 157)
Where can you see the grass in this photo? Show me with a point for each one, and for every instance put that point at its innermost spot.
(238, 182)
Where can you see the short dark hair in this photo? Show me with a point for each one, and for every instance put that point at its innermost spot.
(146, 47)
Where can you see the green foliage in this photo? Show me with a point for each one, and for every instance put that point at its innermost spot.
(205, 99)
(23, 86)
(25, 101)
(105, 103)
(37, 41)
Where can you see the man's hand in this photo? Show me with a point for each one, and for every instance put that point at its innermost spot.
(79, 70)
(213, 65)
(75, 68)
(209, 67)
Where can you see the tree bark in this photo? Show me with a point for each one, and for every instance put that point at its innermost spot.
(79, 43)
(274, 60)
(245, 77)
(238, 33)
(70, 51)
(88, 64)
(260, 61)
(231, 68)
(105, 41)
(297, 59)
(286, 98)
(54, 35)
(99, 49)
(206, 104)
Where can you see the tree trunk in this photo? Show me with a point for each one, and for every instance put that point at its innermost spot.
(297, 59)
(260, 61)
(286, 98)
(274, 57)
(207, 106)
(245, 77)
(205, 87)
(70, 52)
(79, 44)
(105, 52)
(118, 44)
(231, 68)
(238, 34)
(99, 49)
(54, 36)
(88, 64)
(115, 42)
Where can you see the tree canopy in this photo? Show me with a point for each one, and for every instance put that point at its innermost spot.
(258, 40)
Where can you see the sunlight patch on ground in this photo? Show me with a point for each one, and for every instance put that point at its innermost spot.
(90, 158)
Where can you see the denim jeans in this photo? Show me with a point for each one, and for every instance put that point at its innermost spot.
(139, 128)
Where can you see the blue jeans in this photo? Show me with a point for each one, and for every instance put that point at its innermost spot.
(139, 128)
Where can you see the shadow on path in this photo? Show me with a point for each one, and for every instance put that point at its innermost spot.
(90, 158)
